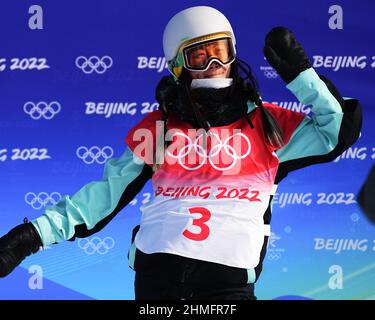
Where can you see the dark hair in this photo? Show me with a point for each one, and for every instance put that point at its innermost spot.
(167, 91)
(272, 129)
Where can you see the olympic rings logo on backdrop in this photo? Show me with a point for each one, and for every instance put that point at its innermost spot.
(269, 72)
(96, 245)
(94, 154)
(42, 109)
(274, 251)
(94, 63)
(216, 148)
(41, 200)
(274, 256)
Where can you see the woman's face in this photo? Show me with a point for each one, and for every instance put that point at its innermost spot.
(215, 70)
(201, 53)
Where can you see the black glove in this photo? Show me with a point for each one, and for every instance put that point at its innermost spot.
(16, 245)
(285, 54)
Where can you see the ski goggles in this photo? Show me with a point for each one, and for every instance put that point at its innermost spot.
(198, 56)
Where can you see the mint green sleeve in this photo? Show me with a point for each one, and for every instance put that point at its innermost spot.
(319, 134)
(92, 203)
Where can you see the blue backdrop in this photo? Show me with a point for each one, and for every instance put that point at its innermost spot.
(54, 106)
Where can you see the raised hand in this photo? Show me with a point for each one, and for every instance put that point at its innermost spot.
(285, 54)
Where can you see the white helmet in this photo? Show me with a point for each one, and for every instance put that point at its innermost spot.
(189, 26)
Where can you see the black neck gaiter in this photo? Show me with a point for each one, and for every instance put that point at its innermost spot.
(218, 106)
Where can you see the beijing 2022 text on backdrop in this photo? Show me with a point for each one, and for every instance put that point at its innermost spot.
(80, 79)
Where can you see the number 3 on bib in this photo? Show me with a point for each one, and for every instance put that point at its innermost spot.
(199, 222)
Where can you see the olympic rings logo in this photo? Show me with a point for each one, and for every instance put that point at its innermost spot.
(42, 109)
(216, 148)
(274, 256)
(41, 200)
(96, 245)
(270, 74)
(94, 63)
(94, 154)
